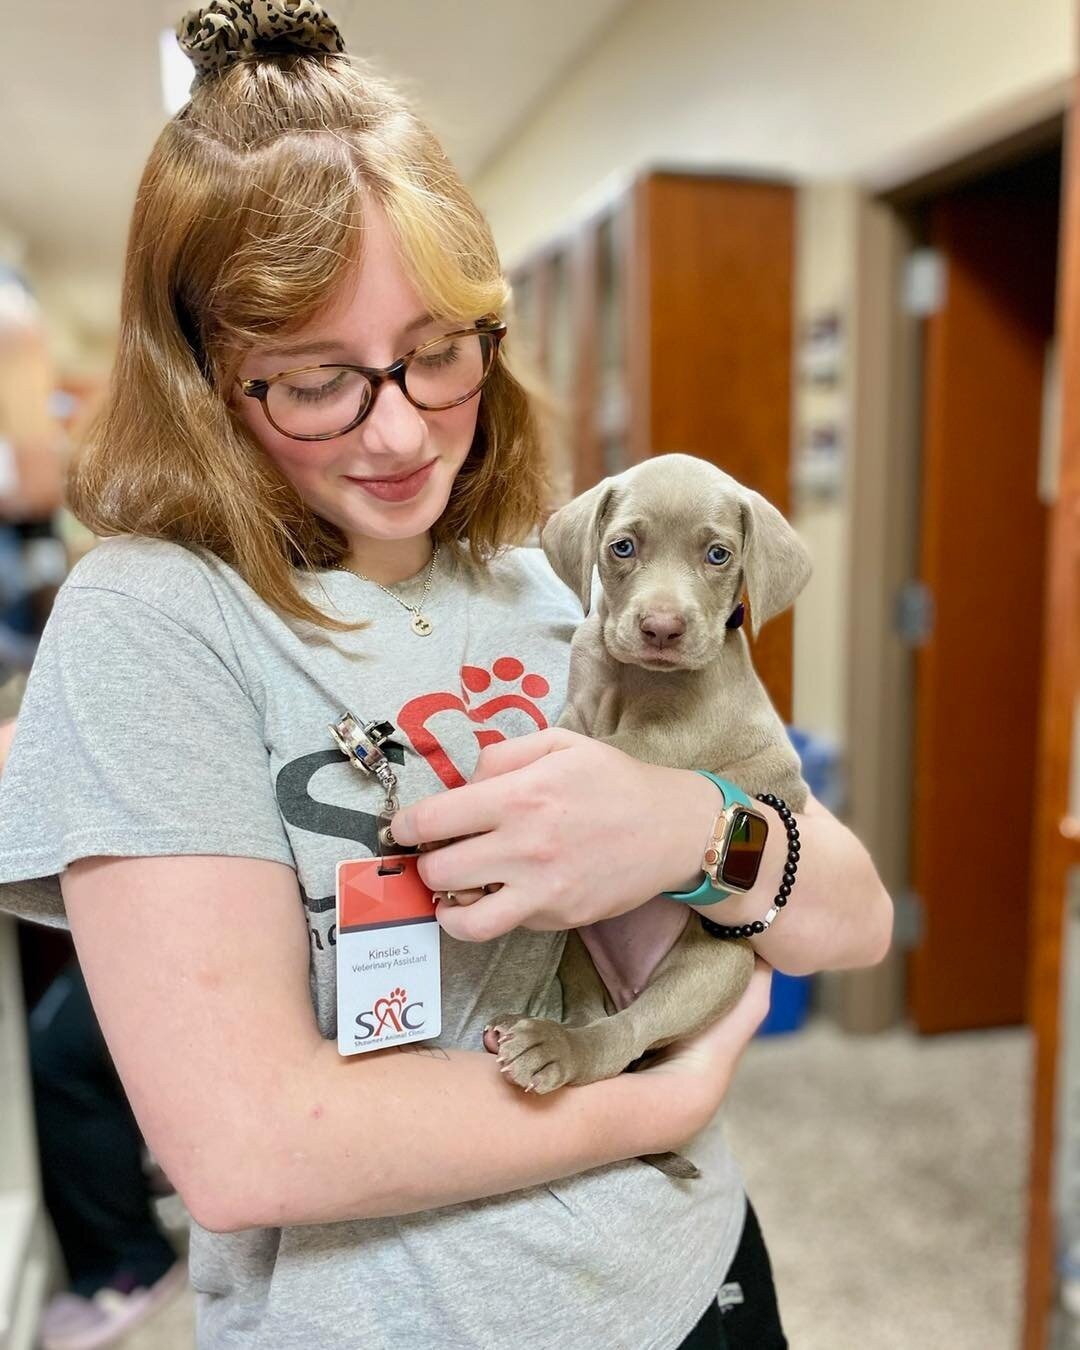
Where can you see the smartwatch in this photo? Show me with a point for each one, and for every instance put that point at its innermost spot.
(733, 854)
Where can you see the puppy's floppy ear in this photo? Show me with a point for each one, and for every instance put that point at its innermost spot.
(571, 538)
(776, 564)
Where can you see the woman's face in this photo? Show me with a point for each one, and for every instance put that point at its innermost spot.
(376, 318)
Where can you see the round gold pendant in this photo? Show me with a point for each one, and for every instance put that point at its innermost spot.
(420, 625)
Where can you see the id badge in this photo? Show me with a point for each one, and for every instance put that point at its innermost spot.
(389, 990)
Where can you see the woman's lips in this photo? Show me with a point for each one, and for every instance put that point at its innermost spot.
(396, 489)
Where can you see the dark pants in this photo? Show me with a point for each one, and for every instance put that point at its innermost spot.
(753, 1324)
(91, 1162)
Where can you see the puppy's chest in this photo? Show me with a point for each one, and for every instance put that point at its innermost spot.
(605, 714)
(679, 717)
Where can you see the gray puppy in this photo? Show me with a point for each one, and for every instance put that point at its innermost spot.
(656, 671)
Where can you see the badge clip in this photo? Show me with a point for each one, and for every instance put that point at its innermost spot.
(361, 744)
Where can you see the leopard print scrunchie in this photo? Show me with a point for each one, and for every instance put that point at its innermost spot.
(216, 34)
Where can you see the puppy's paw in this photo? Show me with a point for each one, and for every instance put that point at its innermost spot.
(500, 1026)
(533, 1053)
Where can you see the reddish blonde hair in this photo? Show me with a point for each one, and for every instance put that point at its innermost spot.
(249, 213)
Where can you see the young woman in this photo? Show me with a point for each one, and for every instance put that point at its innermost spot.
(292, 537)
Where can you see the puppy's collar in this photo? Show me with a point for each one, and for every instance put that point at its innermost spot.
(738, 614)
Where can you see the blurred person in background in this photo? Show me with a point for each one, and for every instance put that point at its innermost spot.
(97, 1183)
(97, 1186)
(32, 556)
(190, 671)
(120, 1267)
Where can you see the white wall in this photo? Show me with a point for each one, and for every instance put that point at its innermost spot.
(811, 88)
(825, 250)
(826, 92)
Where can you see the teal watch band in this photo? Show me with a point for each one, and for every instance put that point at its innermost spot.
(707, 893)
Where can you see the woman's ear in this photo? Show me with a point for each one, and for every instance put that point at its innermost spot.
(776, 563)
(571, 538)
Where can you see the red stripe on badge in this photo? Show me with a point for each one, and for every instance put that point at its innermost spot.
(366, 897)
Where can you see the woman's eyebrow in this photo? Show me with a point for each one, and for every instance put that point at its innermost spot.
(334, 347)
(421, 321)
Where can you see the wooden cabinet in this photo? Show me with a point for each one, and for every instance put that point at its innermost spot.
(662, 323)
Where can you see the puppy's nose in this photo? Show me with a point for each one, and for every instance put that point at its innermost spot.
(662, 630)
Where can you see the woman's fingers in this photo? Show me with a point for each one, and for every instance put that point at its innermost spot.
(491, 916)
(466, 864)
(481, 804)
(468, 897)
(471, 809)
(516, 753)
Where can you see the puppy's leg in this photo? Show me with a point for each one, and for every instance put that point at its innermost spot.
(696, 983)
(649, 744)
(584, 996)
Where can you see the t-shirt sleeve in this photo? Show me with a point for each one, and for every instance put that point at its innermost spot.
(136, 737)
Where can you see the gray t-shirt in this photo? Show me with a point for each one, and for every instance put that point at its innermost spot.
(171, 711)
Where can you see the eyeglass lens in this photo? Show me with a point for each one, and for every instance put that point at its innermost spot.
(326, 400)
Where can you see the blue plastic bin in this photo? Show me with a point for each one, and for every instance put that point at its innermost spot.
(788, 1004)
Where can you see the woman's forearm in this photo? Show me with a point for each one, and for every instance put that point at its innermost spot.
(839, 914)
(399, 1131)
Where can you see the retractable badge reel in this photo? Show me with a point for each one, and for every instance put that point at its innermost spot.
(389, 989)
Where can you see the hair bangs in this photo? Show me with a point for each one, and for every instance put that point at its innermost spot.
(293, 230)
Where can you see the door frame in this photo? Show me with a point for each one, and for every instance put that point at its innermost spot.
(885, 512)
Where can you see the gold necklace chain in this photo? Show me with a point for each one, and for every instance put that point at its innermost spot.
(421, 624)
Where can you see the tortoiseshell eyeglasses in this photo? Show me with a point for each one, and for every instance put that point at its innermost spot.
(317, 403)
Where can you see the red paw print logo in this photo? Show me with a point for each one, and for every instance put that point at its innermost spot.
(388, 1011)
(506, 695)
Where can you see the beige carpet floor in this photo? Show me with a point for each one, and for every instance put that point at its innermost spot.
(888, 1173)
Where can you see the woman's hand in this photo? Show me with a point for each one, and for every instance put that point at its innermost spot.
(704, 1065)
(569, 830)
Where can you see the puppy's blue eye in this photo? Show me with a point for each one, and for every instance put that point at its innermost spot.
(718, 555)
(623, 548)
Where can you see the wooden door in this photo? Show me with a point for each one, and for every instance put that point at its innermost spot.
(1057, 835)
(982, 562)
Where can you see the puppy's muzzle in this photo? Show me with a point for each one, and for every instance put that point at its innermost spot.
(662, 629)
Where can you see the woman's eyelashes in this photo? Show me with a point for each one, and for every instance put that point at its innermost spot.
(716, 555)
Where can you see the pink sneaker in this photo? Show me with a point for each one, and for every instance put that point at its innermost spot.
(75, 1323)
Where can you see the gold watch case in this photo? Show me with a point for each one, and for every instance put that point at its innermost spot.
(733, 856)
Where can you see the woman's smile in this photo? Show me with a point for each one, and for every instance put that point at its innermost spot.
(400, 488)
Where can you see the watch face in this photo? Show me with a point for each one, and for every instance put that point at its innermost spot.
(742, 857)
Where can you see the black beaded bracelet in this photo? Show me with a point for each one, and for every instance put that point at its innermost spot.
(745, 930)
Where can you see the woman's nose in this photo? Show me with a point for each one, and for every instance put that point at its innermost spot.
(393, 426)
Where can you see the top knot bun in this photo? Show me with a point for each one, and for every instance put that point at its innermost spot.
(216, 34)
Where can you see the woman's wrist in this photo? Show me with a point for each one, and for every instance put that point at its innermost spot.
(742, 907)
(839, 915)
(696, 804)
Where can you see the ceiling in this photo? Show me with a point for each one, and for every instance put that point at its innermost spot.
(80, 97)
